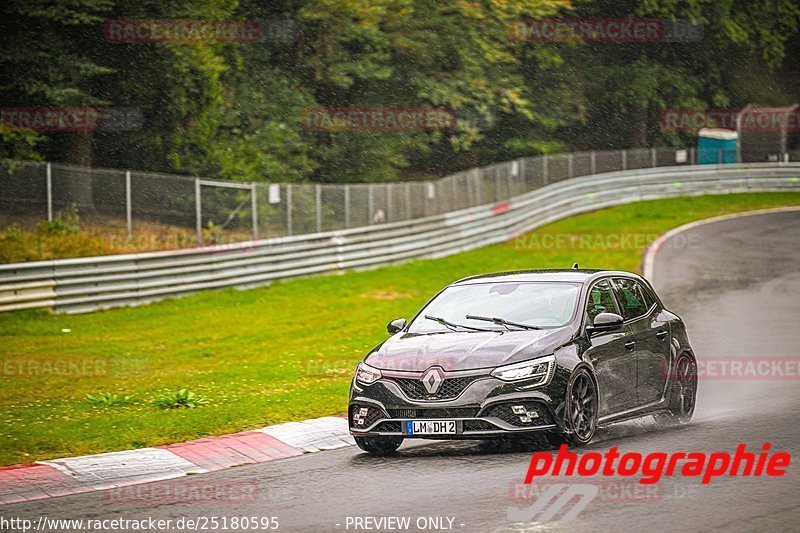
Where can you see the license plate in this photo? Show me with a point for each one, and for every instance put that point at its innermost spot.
(430, 427)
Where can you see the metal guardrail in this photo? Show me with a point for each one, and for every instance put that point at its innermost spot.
(92, 283)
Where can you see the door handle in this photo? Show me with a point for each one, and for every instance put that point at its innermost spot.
(661, 335)
(630, 344)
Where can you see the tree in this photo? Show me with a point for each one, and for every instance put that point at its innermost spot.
(44, 63)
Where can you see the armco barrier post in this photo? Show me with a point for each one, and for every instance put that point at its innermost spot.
(570, 166)
(254, 209)
(544, 169)
(289, 209)
(128, 203)
(407, 187)
(318, 205)
(347, 206)
(387, 212)
(198, 211)
(478, 181)
(49, 177)
(370, 203)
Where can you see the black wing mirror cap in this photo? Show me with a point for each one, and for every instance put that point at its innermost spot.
(606, 322)
(396, 326)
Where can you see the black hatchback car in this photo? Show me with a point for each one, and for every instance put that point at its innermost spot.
(549, 353)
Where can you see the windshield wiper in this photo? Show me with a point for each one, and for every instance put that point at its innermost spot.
(501, 321)
(453, 325)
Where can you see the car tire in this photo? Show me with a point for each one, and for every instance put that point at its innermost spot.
(379, 445)
(580, 411)
(682, 393)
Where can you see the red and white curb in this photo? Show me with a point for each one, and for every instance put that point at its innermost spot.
(47, 479)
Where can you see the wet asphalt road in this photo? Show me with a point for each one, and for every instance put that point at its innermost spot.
(736, 283)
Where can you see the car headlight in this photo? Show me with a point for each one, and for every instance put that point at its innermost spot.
(367, 375)
(538, 371)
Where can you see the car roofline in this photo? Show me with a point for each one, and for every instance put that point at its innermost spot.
(584, 276)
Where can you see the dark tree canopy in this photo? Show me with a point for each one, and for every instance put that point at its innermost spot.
(233, 108)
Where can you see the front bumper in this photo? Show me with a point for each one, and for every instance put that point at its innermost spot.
(484, 408)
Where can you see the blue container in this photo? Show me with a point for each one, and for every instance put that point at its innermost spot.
(716, 146)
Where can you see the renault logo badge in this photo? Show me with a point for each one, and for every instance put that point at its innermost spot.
(432, 380)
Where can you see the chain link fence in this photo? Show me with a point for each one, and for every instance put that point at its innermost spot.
(215, 210)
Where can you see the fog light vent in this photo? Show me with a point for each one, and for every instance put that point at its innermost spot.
(525, 416)
(360, 416)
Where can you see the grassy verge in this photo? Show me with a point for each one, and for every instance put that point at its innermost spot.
(68, 235)
(269, 355)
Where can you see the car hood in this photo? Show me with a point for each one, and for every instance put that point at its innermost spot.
(465, 350)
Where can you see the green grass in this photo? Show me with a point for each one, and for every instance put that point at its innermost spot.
(68, 236)
(269, 355)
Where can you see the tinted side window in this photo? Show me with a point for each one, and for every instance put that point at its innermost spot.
(601, 300)
(631, 297)
(649, 299)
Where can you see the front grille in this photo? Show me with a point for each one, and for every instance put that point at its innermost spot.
(373, 415)
(459, 412)
(503, 412)
(479, 425)
(450, 388)
(403, 413)
(389, 427)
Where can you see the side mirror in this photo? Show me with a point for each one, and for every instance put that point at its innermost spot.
(396, 325)
(605, 322)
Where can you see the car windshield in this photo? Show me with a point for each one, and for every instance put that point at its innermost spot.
(540, 304)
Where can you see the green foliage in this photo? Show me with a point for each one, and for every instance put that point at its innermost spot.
(761, 26)
(183, 398)
(64, 223)
(625, 86)
(19, 144)
(109, 399)
(213, 234)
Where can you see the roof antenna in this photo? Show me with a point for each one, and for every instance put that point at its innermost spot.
(574, 266)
